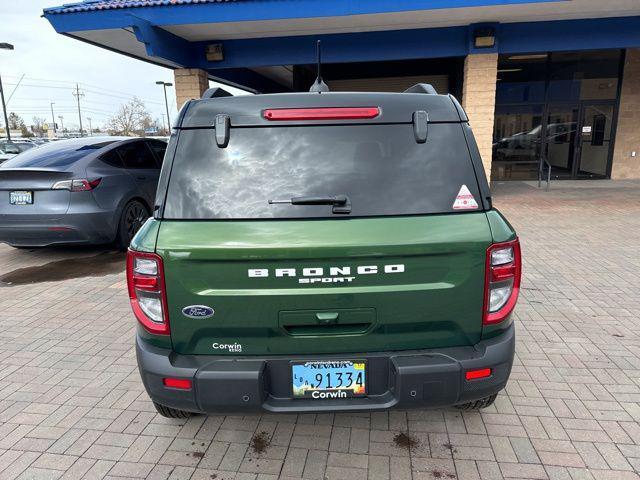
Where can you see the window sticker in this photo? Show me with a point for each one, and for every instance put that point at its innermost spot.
(464, 200)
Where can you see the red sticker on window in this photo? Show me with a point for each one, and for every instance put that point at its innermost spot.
(464, 200)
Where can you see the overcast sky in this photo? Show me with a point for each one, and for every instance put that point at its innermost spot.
(52, 64)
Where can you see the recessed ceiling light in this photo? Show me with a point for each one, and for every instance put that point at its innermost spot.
(532, 56)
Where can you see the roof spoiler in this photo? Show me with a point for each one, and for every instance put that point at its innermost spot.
(422, 88)
(216, 92)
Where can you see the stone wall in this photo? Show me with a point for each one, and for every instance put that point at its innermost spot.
(628, 130)
(479, 100)
(190, 83)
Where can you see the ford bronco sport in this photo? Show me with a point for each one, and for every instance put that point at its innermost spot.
(323, 252)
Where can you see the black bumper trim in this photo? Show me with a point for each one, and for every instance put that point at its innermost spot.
(401, 379)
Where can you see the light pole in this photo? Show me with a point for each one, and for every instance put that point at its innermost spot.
(166, 103)
(53, 119)
(90, 129)
(6, 46)
(78, 94)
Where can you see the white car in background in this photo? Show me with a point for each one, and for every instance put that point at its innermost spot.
(8, 150)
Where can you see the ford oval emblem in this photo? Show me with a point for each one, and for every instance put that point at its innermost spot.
(198, 311)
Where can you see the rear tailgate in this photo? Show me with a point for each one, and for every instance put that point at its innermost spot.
(396, 283)
(402, 268)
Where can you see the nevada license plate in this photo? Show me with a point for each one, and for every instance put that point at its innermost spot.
(329, 379)
(21, 198)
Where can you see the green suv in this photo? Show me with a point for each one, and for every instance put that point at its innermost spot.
(323, 252)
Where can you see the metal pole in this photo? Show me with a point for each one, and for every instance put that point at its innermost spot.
(166, 104)
(77, 95)
(4, 109)
(53, 118)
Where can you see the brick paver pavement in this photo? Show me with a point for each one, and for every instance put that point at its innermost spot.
(72, 405)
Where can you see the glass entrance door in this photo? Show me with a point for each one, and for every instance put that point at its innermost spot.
(560, 139)
(578, 140)
(594, 141)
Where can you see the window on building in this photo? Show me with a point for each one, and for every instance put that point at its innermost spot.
(517, 141)
(521, 78)
(579, 76)
(543, 102)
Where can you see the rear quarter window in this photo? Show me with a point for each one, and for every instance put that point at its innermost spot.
(159, 149)
(381, 169)
(112, 158)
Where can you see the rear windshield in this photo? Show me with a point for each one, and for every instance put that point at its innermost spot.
(380, 168)
(58, 154)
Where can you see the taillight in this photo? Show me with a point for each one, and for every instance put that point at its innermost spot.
(502, 281)
(145, 280)
(323, 113)
(77, 184)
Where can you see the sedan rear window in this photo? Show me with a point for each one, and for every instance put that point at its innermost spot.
(379, 168)
(57, 154)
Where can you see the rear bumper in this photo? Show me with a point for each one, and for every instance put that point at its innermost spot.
(70, 228)
(408, 379)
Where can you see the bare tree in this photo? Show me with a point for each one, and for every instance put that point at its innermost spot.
(37, 126)
(132, 117)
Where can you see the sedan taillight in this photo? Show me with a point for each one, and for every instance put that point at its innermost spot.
(145, 280)
(77, 184)
(502, 281)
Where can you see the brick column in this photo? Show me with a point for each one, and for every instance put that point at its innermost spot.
(479, 100)
(628, 129)
(190, 83)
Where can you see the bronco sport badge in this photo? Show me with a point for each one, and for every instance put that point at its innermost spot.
(326, 275)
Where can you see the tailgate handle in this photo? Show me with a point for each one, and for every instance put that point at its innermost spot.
(314, 323)
(327, 318)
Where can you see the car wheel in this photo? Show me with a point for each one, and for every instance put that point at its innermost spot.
(478, 404)
(133, 217)
(171, 412)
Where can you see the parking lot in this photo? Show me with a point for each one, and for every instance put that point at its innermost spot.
(72, 404)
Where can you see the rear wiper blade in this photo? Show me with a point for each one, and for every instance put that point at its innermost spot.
(336, 200)
(341, 203)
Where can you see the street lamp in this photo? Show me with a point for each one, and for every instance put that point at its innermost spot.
(53, 119)
(166, 103)
(5, 46)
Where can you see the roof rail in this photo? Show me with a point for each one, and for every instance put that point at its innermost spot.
(422, 88)
(216, 92)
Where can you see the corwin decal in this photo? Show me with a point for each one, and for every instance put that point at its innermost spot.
(230, 347)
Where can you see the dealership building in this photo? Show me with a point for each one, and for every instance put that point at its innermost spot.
(541, 80)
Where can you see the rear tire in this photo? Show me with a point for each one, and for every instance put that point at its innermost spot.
(478, 404)
(133, 216)
(169, 412)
